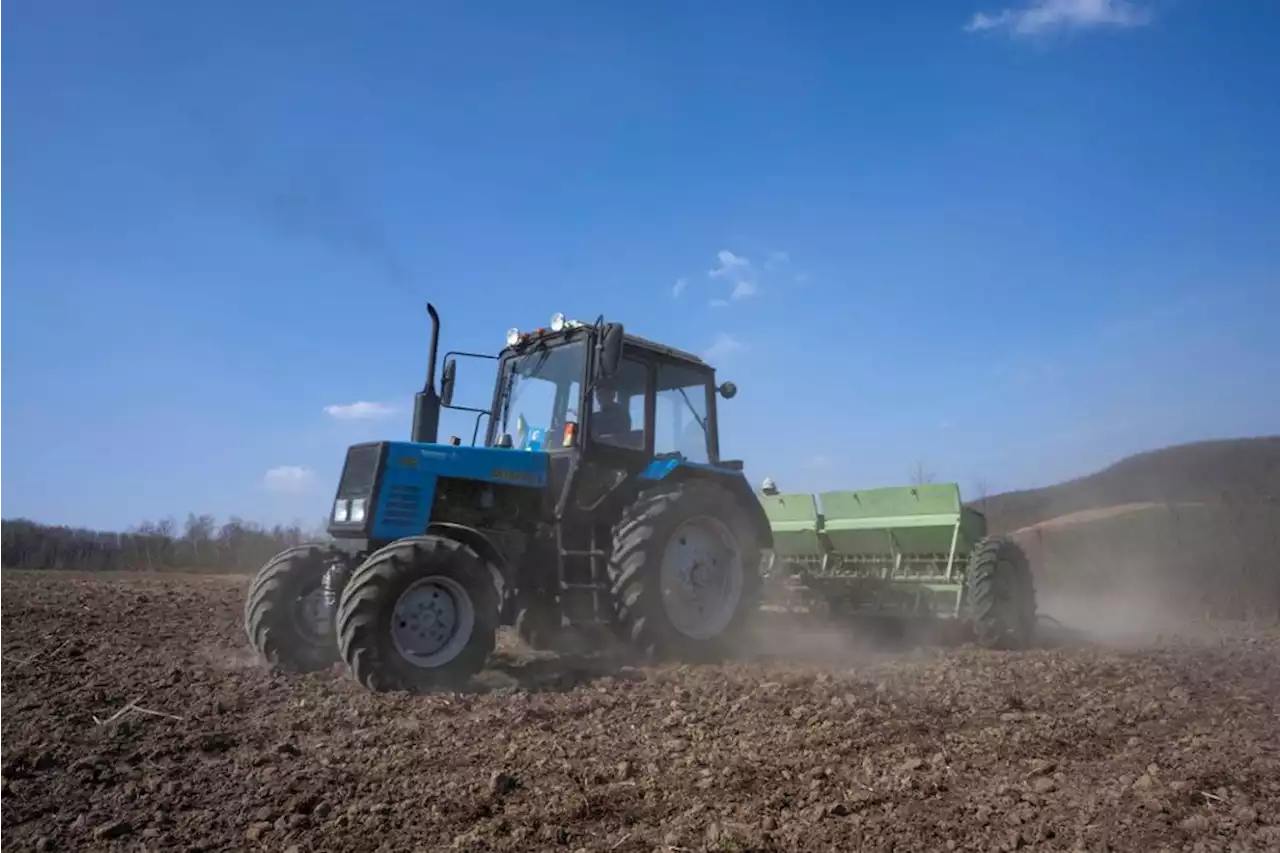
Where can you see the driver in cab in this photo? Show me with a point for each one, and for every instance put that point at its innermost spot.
(611, 421)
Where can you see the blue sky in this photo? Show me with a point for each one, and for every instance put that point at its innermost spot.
(1013, 241)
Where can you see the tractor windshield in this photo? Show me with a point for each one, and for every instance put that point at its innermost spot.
(538, 393)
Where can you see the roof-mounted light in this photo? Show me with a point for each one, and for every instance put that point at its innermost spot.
(557, 322)
(513, 337)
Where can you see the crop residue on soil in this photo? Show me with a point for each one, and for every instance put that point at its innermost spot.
(1168, 747)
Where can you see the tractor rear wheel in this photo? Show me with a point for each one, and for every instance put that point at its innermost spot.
(285, 616)
(420, 614)
(685, 571)
(1001, 591)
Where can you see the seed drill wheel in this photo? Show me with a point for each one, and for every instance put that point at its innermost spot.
(1002, 597)
(285, 616)
(685, 570)
(419, 614)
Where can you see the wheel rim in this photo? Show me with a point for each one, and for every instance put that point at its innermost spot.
(432, 621)
(701, 578)
(311, 615)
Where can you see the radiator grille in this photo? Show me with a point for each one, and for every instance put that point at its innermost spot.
(360, 471)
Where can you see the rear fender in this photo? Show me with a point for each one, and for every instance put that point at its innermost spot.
(731, 479)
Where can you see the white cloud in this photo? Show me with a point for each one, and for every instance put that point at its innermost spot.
(725, 345)
(818, 462)
(738, 270)
(730, 265)
(744, 275)
(1041, 16)
(289, 479)
(358, 411)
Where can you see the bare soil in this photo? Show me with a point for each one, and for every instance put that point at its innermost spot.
(1165, 745)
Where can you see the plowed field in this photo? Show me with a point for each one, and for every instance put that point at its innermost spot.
(1166, 745)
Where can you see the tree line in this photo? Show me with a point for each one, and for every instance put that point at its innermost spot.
(202, 544)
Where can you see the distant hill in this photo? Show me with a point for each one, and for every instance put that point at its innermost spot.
(1244, 471)
(1158, 539)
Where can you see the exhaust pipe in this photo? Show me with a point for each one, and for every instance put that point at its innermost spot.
(426, 403)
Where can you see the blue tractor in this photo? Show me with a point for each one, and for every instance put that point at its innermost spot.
(596, 501)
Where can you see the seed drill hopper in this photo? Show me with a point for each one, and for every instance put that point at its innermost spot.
(900, 552)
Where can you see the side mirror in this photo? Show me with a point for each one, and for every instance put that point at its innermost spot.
(447, 380)
(728, 390)
(610, 351)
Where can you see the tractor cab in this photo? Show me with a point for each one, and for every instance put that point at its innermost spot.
(571, 386)
(579, 389)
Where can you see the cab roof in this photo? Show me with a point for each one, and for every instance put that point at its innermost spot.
(664, 349)
(628, 339)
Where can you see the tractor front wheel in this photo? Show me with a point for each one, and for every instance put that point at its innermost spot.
(685, 571)
(286, 617)
(420, 614)
(1001, 591)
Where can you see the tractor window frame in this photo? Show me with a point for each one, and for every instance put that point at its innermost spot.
(690, 375)
(568, 393)
(659, 363)
(632, 360)
(655, 360)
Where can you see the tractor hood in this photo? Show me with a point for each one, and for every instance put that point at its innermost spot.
(486, 464)
(387, 487)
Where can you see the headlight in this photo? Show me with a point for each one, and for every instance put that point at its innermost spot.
(341, 511)
(513, 337)
(357, 510)
(557, 322)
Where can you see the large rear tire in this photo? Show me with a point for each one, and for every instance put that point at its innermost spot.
(285, 616)
(1002, 598)
(685, 571)
(420, 614)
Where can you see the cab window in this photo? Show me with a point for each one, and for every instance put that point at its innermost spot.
(680, 416)
(617, 407)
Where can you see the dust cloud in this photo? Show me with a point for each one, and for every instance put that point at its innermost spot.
(1154, 572)
(1122, 577)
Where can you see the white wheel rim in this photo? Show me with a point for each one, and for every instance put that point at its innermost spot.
(701, 578)
(432, 621)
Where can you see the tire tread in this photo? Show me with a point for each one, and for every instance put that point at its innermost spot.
(635, 562)
(362, 642)
(1001, 592)
(268, 629)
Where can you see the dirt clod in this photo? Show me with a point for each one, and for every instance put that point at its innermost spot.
(1044, 785)
(501, 784)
